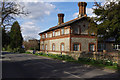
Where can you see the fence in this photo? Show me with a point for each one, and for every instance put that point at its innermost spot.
(96, 56)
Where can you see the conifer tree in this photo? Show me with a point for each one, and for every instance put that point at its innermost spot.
(16, 38)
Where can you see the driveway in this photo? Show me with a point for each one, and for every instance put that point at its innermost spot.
(32, 66)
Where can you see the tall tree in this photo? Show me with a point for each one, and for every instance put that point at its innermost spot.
(16, 38)
(9, 10)
(5, 38)
(108, 17)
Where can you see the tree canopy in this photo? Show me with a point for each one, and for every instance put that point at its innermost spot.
(16, 36)
(9, 10)
(108, 17)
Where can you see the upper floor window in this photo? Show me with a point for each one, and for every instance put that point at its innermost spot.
(53, 33)
(76, 30)
(62, 31)
(46, 35)
(40, 37)
(43, 36)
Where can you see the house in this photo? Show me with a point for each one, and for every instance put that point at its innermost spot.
(71, 36)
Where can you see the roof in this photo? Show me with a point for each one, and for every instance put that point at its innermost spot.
(62, 25)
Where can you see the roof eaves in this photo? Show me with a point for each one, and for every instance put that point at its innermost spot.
(64, 24)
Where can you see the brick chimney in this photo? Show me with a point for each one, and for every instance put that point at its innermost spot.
(60, 18)
(82, 9)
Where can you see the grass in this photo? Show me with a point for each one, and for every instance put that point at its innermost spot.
(80, 60)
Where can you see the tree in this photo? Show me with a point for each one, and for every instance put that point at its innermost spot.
(16, 38)
(31, 44)
(108, 17)
(5, 38)
(9, 10)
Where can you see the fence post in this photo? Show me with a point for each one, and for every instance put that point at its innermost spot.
(47, 52)
(61, 54)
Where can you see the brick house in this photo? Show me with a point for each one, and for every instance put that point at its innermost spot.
(70, 36)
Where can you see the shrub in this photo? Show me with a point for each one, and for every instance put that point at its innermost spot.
(22, 50)
(92, 61)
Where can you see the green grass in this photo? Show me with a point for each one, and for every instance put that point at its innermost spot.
(28, 52)
(87, 61)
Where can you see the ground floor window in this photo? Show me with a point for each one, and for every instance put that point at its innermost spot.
(43, 47)
(46, 47)
(91, 47)
(116, 46)
(53, 47)
(62, 46)
(101, 46)
(76, 47)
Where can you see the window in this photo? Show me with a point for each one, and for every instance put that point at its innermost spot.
(46, 35)
(62, 31)
(116, 46)
(62, 46)
(91, 47)
(76, 47)
(101, 46)
(53, 47)
(43, 47)
(53, 33)
(40, 37)
(46, 47)
(76, 30)
(43, 36)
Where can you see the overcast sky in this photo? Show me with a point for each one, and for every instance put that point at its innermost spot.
(43, 15)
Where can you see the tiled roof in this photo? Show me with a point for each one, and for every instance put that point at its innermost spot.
(61, 25)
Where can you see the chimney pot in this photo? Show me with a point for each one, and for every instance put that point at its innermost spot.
(60, 18)
(82, 9)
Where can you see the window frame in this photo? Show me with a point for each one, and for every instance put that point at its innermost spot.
(54, 47)
(42, 46)
(61, 46)
(62, 31)
(45, 47)
(53, 34)
(46, 35)
(77, 44)
(94, 47)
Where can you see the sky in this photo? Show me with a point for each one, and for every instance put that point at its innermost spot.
(43, 15)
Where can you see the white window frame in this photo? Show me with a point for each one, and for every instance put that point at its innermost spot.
(62, 47)
(43, 36)
(46, 35)
(46, 47)
(53, 33)
(42, 47)
(62, 31)
(93, 47)
(77, 45)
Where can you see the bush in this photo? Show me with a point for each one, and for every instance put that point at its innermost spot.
(92, 61)
(22, 50)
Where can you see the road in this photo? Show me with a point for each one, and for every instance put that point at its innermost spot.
(32, 66)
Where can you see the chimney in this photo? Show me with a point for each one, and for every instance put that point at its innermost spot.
(82, 9)
(60, 18)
